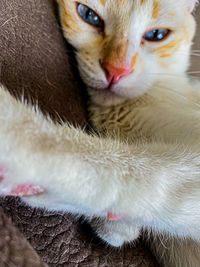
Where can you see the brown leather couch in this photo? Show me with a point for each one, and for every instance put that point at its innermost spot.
(36, 61)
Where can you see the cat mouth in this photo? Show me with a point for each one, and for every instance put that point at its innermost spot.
(103, 91)
(110, 84)
(107, 90)
(105, 94)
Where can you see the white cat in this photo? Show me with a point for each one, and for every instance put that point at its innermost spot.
(148, 175)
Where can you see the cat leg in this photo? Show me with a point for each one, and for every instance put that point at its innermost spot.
(155, 184)
(175, 252)
(115, 233)
(158, 186)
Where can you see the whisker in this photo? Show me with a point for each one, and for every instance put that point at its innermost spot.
(178, 94)
(173, 91)
(194, 72)
(194, 77)
(195, 54)
(178, 75)
(192, 53)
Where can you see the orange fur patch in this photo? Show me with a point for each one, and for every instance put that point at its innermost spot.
(133, 61)
(163, 65)
(169, 49)
(115, 51)
(102, 2)
(68, 20)
(156, 9)
(142, 2)
(172, 14)
(185, 33)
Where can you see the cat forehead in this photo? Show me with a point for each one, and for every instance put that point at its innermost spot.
(127, 7)
(132, 3)
(137, 4)
(123, 2)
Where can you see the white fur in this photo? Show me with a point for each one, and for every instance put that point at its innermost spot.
(154, 185)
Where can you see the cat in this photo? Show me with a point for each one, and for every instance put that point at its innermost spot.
(143, 170)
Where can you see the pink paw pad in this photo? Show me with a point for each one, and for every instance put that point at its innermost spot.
(26, 190)
(114, 217)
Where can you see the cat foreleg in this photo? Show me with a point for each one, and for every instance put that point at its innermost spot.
(115, 233)
(155, 184)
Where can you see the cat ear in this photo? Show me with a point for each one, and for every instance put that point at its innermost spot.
(191, 4)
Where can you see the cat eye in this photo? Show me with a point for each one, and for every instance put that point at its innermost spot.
(89, 16)
(156, 35)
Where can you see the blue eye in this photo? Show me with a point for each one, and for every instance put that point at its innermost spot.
(156, 35)
(89, 16)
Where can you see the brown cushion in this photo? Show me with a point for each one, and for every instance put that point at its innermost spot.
(195, 59)
(34, 58)
(14, 249)
(62, 240)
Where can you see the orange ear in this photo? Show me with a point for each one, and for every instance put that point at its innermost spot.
(191, 4)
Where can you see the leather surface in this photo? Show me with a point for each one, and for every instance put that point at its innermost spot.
(63, 240)
(36, 61)
(195, 60)
(14, 249)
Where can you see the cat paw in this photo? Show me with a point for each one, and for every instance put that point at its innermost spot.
(8, 187)
(115, 233)
(26, 190)
(118, 239)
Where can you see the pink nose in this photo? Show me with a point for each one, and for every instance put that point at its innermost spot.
(113, 73)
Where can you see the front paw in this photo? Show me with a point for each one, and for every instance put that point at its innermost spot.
(23, 190)
(115, 233)
(12, 187)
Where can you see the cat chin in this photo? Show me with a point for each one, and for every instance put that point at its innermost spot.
(105, 98)
(112, 98)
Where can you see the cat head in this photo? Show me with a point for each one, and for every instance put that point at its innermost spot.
(124, 46)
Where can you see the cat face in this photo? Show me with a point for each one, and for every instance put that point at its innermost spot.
(124, 46)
